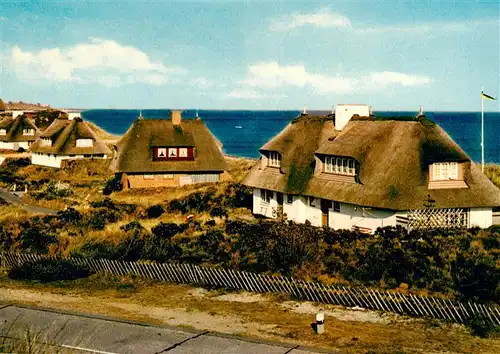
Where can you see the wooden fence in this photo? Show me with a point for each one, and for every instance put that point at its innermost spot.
(406, 304)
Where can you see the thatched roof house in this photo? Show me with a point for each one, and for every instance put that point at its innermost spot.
(371, 165)
(67, 139)
(169, 152)
(16, 133)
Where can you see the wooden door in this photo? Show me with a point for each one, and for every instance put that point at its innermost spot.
(325, 207)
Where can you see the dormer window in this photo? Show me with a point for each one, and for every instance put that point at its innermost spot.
(444, 171)
(84, 143)
(3, 131)
(340, 165)
(274, 159)
(29, 131)
(173, 153)
(46, 142)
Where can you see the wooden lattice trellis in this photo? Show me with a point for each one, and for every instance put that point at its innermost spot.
(434, 218)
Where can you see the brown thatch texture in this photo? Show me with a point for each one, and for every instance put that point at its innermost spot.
(64, 133)
(135, 149)
(393, 156)
(2, 105)
(15, 128)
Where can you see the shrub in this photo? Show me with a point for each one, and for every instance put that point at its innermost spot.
(167, 230)
(113, 184)
(69, 216)
(47, 270)
(480, 325)
(98, 219)
(218, 211)
(155, 211)
(35, 239)
(104, 203)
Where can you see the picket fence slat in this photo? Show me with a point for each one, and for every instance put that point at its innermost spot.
(408, 304)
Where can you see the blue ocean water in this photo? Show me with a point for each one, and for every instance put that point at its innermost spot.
(243, 132)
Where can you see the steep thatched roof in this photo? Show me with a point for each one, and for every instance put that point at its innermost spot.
(135, 149)
(2, 105)
(64, 133)
(393, 157)
(15, 128)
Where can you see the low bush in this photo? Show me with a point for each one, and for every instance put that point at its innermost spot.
(155, 211)
(481, 326)
(47, 270)
(113, 184)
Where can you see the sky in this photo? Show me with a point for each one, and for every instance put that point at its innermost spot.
(265, 55)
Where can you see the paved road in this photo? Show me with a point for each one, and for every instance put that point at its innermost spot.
(76, 333)
(14, 199)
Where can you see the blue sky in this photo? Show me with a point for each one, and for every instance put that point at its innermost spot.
(393, 55)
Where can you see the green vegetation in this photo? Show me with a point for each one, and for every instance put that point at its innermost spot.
(298, 178)
(48, 270)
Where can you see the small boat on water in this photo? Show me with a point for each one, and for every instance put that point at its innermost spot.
(237, 126)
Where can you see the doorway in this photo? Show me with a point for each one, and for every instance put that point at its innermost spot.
(325, 208)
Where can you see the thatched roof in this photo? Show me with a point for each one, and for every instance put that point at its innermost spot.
(135, 149)
(393, 156)
(2, 105)
(15, 128)
(64, 133)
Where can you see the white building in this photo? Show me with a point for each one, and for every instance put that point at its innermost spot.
(369, 173)
(67, 139)
(17, 132)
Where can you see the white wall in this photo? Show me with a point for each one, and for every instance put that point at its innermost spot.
(295, 211)
(482, 217)
(73, 115)
(352, 215)
(14, 145)
(344, 112)
(16, 113)
(52, 160)
(261, 207)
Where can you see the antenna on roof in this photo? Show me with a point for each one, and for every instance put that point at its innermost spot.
(304, 111)
(420, 113)
(140, 114)
(333, 108)
(197, 116)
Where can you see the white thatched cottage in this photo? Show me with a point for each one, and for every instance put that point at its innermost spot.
(363, 173)
(67, 139)
(17, 132)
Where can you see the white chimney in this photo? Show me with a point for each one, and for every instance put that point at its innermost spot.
(73, 115)
(344, 113)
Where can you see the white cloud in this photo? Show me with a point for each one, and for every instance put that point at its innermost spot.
(388, 78)
(101, 61)
(201, 83)
(245, 94)
(323, 18)
(272, 75)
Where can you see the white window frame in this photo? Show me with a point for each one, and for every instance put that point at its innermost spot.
(174, 150)
(183, 152)
(444, 171)
(168, 176)
(274, 159)
(84, 142)
(266, 196)
(149, 176)
(160, 150)
(28, 131)
(340, 165)
(336, 206)
(46, 142)
(3, 131)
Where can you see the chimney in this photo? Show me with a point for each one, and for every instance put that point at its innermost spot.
(176, 117)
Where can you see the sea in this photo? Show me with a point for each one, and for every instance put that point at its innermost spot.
(243, 132)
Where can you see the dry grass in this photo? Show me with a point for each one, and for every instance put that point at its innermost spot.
(493, 173)
(239, 167)
(11, 212)
(101, 133)
(55, 204)
(271, 317)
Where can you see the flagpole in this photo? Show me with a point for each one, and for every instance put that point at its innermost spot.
(482, 130)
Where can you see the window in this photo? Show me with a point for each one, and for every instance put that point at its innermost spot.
(46, 142)
(336, 207)
(339, 165)
(84, 143)
(168, 176)
(3, 132)
(149, 176)
(162, 152)
(312, 201)
(183, 152)
(444, 171)
(172, 152)
(28, 131)
(266, 195)
(274, 159)
(289, 198)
